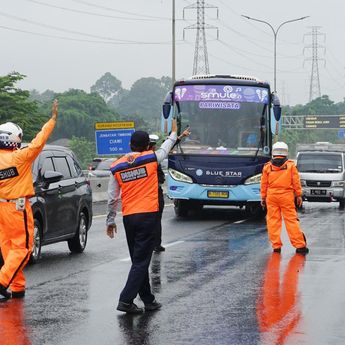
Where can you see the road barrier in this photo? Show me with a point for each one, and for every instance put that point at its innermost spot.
(99, 186)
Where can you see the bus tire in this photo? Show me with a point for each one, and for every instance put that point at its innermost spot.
(254, 210)
(181, 208)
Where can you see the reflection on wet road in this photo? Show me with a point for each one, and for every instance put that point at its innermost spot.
(218, 281)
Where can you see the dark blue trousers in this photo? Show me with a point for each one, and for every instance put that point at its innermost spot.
(141, 232)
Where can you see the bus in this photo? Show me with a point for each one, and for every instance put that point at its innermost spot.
(232, 120)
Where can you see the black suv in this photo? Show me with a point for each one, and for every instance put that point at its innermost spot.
(62, 205)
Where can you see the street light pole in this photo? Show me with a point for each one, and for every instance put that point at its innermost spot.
(173, 43)
(275, 33)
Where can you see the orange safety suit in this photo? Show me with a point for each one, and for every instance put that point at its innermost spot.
(278, 311)
(17, 227)
(279, 186)
(136, 174)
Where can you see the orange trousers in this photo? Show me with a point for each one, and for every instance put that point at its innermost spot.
(280, 206)
(16, 240)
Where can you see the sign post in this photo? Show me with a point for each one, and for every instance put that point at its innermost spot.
(113, 138)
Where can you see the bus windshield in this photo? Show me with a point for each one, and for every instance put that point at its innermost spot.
(230, 120)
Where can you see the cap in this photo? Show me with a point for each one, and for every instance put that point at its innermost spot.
(280, 149)
(140, 139)
(153, 138)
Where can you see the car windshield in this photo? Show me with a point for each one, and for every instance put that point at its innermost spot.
(104, 165)
(223, 122)
(320, 162)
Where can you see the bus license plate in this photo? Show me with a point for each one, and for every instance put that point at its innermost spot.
(318, 192)
(217, 194)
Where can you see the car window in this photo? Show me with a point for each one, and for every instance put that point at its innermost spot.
(62, 167)
(47, 165)
(74, 167)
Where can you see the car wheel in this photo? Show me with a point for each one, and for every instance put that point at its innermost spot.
(77, 244)
(37, 243)
(341, 204)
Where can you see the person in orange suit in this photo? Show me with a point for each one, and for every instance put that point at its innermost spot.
(16, 187)
(277, 309)
(280, 184)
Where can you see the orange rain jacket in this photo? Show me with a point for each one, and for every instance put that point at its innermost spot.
(280, 180)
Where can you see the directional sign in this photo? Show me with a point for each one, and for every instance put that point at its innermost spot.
(324, 121)
(114, 125)
(113, 142)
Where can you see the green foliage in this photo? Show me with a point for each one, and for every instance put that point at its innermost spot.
(319, 106)
(16, 106)
(84, 150)
(145, 99)
(78, 113)
(107, 87)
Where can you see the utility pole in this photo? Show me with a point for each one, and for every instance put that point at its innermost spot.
(200, 64)
(314, 88)
(173, 59)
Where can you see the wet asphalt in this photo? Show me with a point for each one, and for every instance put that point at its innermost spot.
(218, 281)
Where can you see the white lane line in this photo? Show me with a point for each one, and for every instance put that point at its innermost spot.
(164, 245)
(240, 221)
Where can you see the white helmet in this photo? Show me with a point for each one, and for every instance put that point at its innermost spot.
(10, 135)
(153, 139)
(280, 149)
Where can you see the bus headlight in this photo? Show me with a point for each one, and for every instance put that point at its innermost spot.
(178, 176)
(253, 179)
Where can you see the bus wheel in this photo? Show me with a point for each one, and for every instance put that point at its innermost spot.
(254, 210)
(181, 208)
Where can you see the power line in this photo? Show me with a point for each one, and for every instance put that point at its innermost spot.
(73, 31)
(90, 13)
(118, 11)
(79, 39)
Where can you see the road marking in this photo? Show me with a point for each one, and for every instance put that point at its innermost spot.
(164, 245)
(240, 221)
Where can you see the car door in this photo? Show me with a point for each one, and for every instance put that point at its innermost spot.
(66, 191)
(48, 196)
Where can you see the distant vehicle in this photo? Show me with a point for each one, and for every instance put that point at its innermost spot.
(62, 204)
(101, 168)
(321, 167)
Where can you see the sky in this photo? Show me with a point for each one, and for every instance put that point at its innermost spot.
(67, 44)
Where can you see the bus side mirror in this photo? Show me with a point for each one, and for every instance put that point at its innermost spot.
(166, 110)
(277, 111)
(167, 104)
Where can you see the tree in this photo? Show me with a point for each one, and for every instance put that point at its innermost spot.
(108, 87)
(145, 98)
(16, 106)
(78, 113)
(84, 150)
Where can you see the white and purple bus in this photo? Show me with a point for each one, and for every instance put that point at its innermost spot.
(232, 120)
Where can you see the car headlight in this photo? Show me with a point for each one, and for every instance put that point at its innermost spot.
(338, 183)
(253, 179)
(303, 183)
(178, 176)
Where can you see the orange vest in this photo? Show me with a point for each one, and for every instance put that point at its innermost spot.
(277, 180)
(136, 174)
(15, 166)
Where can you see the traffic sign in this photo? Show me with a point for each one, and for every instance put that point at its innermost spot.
(324, 121)
(114, 125)
(113, 142)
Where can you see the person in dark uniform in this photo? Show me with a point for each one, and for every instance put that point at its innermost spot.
(161, 179)
(134, 177)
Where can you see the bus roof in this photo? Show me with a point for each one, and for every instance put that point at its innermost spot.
(222, 79)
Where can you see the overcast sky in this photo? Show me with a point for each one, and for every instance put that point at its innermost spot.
(71, 43)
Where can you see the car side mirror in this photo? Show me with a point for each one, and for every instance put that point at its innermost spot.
(51, 177)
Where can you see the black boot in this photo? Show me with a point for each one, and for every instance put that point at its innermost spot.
(303, 250)
(129, 308)
(4, 293)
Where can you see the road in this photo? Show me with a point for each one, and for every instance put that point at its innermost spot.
(218, 281)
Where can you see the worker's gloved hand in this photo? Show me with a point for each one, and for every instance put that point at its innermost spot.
(55, 109)
(263, 203)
